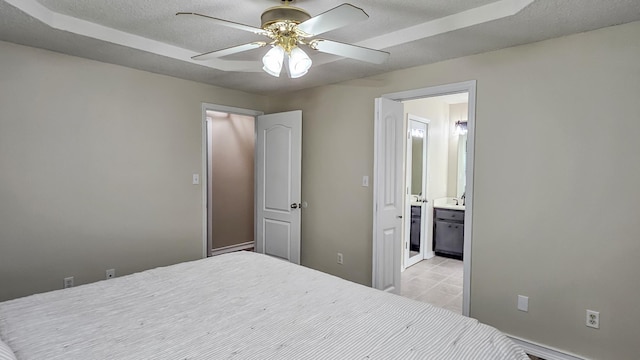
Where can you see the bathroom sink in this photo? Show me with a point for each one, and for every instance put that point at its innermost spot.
(448, 203)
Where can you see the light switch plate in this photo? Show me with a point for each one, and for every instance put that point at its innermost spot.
(365, 181)
(196, 179)
(523, 303)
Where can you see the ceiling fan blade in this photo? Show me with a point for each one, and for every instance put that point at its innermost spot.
(350, 51)
(335, 18)
(227, 23)
(229, 51)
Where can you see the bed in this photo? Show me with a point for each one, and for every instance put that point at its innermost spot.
(239, 306)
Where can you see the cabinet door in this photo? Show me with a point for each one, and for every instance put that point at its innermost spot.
(449, 237)
(416, 224)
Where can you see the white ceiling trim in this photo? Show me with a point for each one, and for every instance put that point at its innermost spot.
(490, 12)
(481, 14)
(86, 28)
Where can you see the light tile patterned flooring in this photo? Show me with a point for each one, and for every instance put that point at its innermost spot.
(437, 281)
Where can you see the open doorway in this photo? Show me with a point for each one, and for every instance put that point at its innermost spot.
(228, 148)
(230, 181)
(432, 270)
(252, 175)
(390, 186)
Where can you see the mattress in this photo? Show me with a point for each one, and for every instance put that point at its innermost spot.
(240, 306)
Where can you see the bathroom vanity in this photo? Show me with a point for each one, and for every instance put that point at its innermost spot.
(448, 230)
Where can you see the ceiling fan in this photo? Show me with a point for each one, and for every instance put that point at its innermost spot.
(288, 28)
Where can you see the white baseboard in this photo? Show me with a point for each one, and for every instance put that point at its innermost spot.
(232, 248)
(542, 351)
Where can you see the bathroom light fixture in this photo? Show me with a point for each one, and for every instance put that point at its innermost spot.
(461, 127)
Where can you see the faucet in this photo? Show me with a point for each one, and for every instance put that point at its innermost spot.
(463, 198)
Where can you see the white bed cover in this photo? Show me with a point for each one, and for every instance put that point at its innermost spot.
(240, 306)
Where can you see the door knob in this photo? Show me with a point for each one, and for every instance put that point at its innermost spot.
(295, 206)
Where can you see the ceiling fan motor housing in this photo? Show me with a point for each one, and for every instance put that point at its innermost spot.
(283, 14)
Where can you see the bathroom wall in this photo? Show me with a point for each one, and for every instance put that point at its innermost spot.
(437, 111)
(457, 112)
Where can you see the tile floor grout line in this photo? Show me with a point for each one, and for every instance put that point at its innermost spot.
(422, 276)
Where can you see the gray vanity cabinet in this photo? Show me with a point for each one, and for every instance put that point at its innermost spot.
(448, 233)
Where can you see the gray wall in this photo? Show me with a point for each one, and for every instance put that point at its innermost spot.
(556, 184)
(95, 168)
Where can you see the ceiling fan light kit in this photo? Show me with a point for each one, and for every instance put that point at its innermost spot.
(289, 28)
(273, 61)
(281, 24)
(299, 63)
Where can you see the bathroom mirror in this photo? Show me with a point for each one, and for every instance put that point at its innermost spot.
(417, 145)
(416, 188)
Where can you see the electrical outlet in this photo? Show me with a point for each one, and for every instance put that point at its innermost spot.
(111, 273)
(593, 319)
(68, 282)
(340, 259)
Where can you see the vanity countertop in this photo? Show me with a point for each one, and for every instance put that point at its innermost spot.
(448, 203)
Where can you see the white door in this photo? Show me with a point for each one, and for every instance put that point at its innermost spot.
(387, 193)
(278, 159)
(416, 218)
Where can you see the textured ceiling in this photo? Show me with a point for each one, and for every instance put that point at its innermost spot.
(156, 20)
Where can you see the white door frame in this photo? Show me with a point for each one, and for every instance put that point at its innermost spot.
(204, 178)
(470, 88)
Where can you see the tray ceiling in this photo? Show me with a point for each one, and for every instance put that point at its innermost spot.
(147, 35)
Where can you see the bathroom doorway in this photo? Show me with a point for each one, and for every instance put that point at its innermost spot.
(434, 225)
(449, 170)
